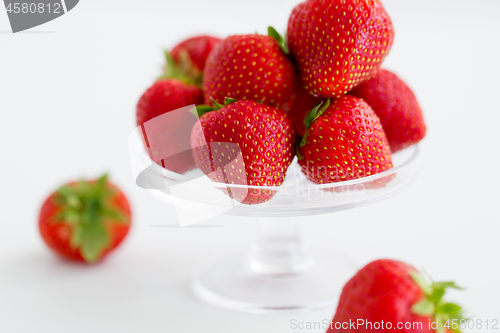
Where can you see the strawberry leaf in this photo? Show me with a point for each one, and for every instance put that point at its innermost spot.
(200, 110)
(437, 295)
(229, 100)
(172, 69)
(297, 152)
(216, 105)
(113, 214)
(303, 142)
(70, 216)
(450, 308)
(311, 116)
(279, 39)
(188, 68)
(433, 305)
(70, 197)
(182, 71)
(101, 183)
(424, 308)
(446, 285)
(91, 239)
(422, 282)
(323, 108)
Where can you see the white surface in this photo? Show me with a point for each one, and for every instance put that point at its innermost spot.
(67, 106)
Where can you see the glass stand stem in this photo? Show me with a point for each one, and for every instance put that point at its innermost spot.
(278, 275)
(279, 251)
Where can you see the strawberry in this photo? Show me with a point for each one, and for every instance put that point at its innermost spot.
(166, 95)
(338, 44)
(386, 295)
(344, 140)
(244, 143)
(84, 221)
(304, 103)
(167, 140)
(250, 67)
(397, 108)
(192, 53)
(163, 96)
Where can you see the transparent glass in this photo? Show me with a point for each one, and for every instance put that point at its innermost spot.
(278, 273)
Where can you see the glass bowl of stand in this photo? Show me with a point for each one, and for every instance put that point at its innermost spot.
(277, 273)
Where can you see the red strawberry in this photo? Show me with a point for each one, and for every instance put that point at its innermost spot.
(193, 52)
(166, 95)
(167, 140)
(397, 108)
(339, 43)
(163, 96)
(304, 103)
(386, 295)
(250, 67)
(85, 220)
(244, 143)
(344, 141)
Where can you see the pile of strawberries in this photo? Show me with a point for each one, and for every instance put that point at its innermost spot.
(319, 94)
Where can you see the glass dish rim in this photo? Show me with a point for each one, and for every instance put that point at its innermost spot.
(413, 150)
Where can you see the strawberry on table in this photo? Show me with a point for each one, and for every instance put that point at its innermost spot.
(84, 221)
(250, 67)
(397, 107)
(262, 136)
(344, 140)
(339, 43)
(394, 293)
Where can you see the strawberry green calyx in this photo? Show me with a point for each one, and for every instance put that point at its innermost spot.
(314, 114)
(447, 315)
(173, 70)
(85, 205)
(279, 39)
(297, 152)
(184, 70)
(229, 100)
(200, 110)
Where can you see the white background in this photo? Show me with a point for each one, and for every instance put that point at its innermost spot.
(68, 91)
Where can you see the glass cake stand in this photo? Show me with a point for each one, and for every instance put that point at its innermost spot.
(277, 273)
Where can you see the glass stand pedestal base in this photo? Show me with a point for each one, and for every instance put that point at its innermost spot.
(229, 282)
